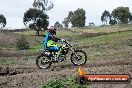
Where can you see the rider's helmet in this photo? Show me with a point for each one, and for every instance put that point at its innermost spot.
(52, 30)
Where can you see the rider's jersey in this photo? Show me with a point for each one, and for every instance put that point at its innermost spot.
(50, 39)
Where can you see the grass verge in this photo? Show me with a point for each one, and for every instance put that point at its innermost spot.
(15, 60)
(63, 82)
(104, 39)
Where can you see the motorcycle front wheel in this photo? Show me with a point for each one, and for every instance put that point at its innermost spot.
(78, 57)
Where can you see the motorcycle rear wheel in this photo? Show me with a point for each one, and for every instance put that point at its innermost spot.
(43, 62)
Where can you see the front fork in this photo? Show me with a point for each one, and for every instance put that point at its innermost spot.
(73, 51)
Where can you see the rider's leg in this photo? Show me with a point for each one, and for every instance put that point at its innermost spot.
(58, 50)
(58, 53)
(54, 49)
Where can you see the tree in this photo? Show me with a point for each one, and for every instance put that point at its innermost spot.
(65, 22)
(122, 15)
(2, 21)
(58, 25)
(43, 5)
(91, 24)
(131, 18)
(35, 19)
(112, 22)
(106, 17)
(77, 18)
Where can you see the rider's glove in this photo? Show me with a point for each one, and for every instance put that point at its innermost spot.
(62, 40)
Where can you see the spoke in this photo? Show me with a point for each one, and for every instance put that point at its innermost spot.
(78, 58)
(44, 62)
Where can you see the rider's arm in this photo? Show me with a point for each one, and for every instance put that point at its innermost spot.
(54, 38)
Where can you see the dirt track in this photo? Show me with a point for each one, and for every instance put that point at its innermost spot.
(116, 59)
(28, 75)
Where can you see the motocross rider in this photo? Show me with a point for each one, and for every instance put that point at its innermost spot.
(49, 42)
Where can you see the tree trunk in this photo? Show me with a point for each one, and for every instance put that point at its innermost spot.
(37, 33)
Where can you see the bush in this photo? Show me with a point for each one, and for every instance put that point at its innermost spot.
(63, 82)
(22, 43)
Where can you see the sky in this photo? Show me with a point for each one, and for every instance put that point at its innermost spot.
(14, 10)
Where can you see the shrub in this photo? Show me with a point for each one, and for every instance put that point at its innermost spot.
(63, 82)
(22, 43)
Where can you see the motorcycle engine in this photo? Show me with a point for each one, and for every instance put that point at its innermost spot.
(62, 57)
(46, 52)
(64, 51)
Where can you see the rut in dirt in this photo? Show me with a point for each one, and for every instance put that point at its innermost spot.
(9, 71)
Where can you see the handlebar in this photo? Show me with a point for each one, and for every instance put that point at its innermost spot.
(68, 43)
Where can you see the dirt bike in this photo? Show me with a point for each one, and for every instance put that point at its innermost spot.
(78, 57)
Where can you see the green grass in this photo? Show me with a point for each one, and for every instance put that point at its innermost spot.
(115, 45)
(105, 29)
(15, 60)
(63, 82)
(8, 61)
(105, 39)
(36, 46)
(27, 33)
(86, 41)
(63, 33)
(59, 33)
